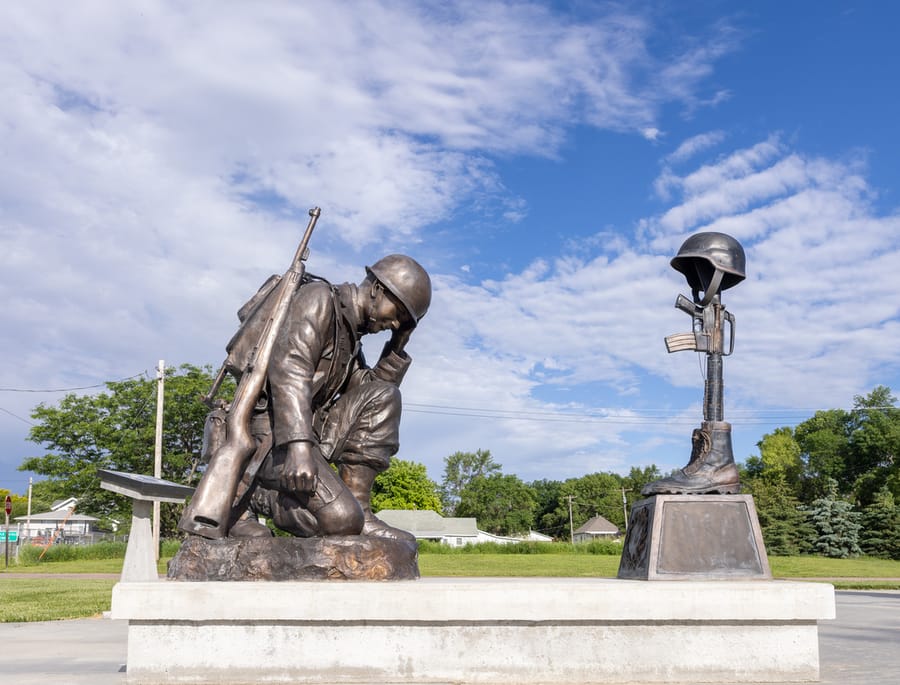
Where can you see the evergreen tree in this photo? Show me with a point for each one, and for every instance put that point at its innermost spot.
(880, 535)
(837, 526)
(785, 525)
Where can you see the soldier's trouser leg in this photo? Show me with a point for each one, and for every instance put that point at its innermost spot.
(360, 434)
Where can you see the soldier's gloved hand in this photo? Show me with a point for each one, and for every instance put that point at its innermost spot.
(301, 467)
(400, 336)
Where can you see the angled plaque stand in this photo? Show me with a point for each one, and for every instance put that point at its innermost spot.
(140, 559)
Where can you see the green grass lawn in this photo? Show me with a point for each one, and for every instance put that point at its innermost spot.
(79, 566)
(49, 598)
(553, 565)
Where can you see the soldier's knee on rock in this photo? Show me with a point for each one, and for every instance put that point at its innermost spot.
(342, 516)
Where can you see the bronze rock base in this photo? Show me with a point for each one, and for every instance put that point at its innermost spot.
(351, 557)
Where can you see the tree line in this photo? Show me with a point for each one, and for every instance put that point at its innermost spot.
(828, 486)
(831, 485)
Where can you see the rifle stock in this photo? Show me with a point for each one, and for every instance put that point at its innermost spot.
(209, 512)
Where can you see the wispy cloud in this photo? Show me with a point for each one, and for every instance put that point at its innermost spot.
(159, 158)
(695, 145)
(817, 316)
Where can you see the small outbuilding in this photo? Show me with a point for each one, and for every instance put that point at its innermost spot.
(60, 523)
(455, 532)
(597, 528)
(429, 525)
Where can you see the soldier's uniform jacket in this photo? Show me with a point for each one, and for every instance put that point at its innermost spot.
(317, 355)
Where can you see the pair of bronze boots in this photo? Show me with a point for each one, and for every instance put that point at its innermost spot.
(711, 469)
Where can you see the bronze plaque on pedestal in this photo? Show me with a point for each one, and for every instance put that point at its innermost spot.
(694, 537)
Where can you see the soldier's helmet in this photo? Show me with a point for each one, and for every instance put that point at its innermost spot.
(406, 280)
(704, 254)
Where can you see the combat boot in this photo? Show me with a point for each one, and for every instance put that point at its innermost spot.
(359, 480)
(711, 469)
(249, 526)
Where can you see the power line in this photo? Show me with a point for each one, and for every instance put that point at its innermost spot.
(83, 387)
(625, 417)
(16, 416)
(644, 417)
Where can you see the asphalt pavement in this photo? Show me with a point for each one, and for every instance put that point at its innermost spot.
(859, 647)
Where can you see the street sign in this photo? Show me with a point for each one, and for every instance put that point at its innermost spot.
(8, 505)
(13, 536)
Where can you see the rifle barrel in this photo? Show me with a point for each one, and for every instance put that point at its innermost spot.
(302, 248)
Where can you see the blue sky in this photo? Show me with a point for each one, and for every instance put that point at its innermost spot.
(543, 161)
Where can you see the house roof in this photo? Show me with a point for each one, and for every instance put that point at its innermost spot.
(427, 523)
(56, 517)
(597, 526)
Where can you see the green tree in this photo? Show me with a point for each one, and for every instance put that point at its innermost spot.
(405, 485)
(874, 454)
(548, 493)
(637, 478)
(781, 455)
(116, 430)
(837, 526)
(785, 525)
(824, 441)
(39, 502)
(880, 536)
(502, 505)
(459, 470)
(592, 495)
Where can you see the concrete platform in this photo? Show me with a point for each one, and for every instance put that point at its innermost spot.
(484, 630)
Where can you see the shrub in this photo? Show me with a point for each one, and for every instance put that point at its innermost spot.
(606, 547)
(30, 555)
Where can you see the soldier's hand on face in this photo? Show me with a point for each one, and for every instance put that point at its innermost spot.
(400, 335)
(301, 467)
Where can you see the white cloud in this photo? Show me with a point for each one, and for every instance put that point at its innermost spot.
(160, 159)
(818, 317)
(695, 145)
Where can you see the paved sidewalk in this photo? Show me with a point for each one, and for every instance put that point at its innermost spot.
(859, 647)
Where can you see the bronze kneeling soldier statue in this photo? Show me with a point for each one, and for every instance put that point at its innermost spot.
(317, 404)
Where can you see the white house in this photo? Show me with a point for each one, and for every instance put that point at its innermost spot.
(61, 517)
(456, 532)
(596, 528)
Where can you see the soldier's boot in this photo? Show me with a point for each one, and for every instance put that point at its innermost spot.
(711, 469)
(249, 526)
(359, 480)
(330, 510)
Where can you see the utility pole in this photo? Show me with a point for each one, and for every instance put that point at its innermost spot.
(28, 514)
(8, 512)
(157, 452)
(571, 526)
(625, 508)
